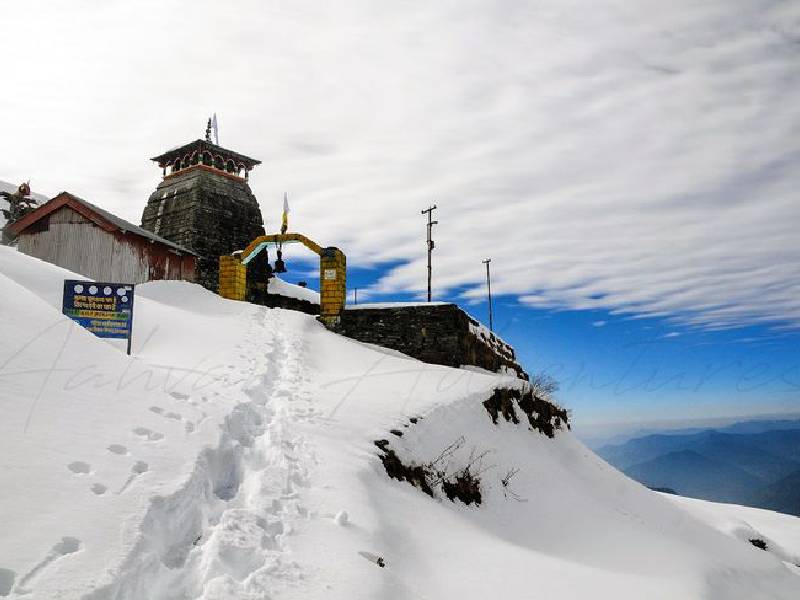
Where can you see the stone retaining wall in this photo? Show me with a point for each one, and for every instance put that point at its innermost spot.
(441, 334)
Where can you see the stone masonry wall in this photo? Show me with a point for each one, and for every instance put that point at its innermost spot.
(232, 278)
(441, 334)
(210, 213)
(333, 284)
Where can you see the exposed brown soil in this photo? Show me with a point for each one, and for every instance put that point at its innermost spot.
(543, 416)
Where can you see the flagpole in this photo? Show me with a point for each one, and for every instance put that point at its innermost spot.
(285, 216)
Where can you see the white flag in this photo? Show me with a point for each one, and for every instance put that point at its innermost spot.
(285, 217)
(215, 128)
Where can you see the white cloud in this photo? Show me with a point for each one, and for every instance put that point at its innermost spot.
(598, 323)
(641, 157)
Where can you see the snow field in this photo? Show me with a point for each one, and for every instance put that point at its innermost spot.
(233, 457)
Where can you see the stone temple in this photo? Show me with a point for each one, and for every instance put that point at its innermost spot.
(204, 203)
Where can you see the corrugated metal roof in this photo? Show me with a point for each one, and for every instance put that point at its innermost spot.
(104, 215)
(130, 227)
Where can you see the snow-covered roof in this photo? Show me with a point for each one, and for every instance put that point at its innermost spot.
(278, 286)
(385, 305)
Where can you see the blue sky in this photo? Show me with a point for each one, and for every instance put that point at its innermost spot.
(635, 163)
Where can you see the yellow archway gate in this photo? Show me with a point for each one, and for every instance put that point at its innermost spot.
(332, 272)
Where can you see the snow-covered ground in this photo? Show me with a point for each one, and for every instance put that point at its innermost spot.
(232, 456)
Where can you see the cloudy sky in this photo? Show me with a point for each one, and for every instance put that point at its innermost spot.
(626, 165)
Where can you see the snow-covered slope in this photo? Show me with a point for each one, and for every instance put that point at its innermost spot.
(233, 456)
(779, 533)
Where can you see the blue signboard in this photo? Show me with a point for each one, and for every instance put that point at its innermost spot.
(105, 309)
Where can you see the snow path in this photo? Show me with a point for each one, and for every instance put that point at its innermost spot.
(223, 534)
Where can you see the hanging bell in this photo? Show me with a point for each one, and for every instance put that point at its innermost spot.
(280, 266)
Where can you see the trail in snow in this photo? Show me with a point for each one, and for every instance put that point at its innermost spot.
(223, 534)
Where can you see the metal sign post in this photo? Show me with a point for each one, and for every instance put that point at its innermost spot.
(105, 309)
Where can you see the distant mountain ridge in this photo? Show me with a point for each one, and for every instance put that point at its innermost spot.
(696, 474)
(597, 440)
(783, 495)
(744, 463)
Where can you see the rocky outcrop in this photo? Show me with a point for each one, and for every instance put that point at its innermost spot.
(542, 415)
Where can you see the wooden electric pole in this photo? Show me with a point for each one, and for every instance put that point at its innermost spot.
(489, 287)
(431, 223)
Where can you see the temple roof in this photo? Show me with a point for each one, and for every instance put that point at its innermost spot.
(201, 146)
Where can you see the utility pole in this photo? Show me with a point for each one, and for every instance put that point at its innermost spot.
(431, 223)
(489, 287)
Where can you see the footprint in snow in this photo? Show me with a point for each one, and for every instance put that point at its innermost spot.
(67, 545)
(118, 449)
(137, 469)
(179, 396)
(149, 434)
(166, 414)
(7, 577)
(79, 467)
(99, 489)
